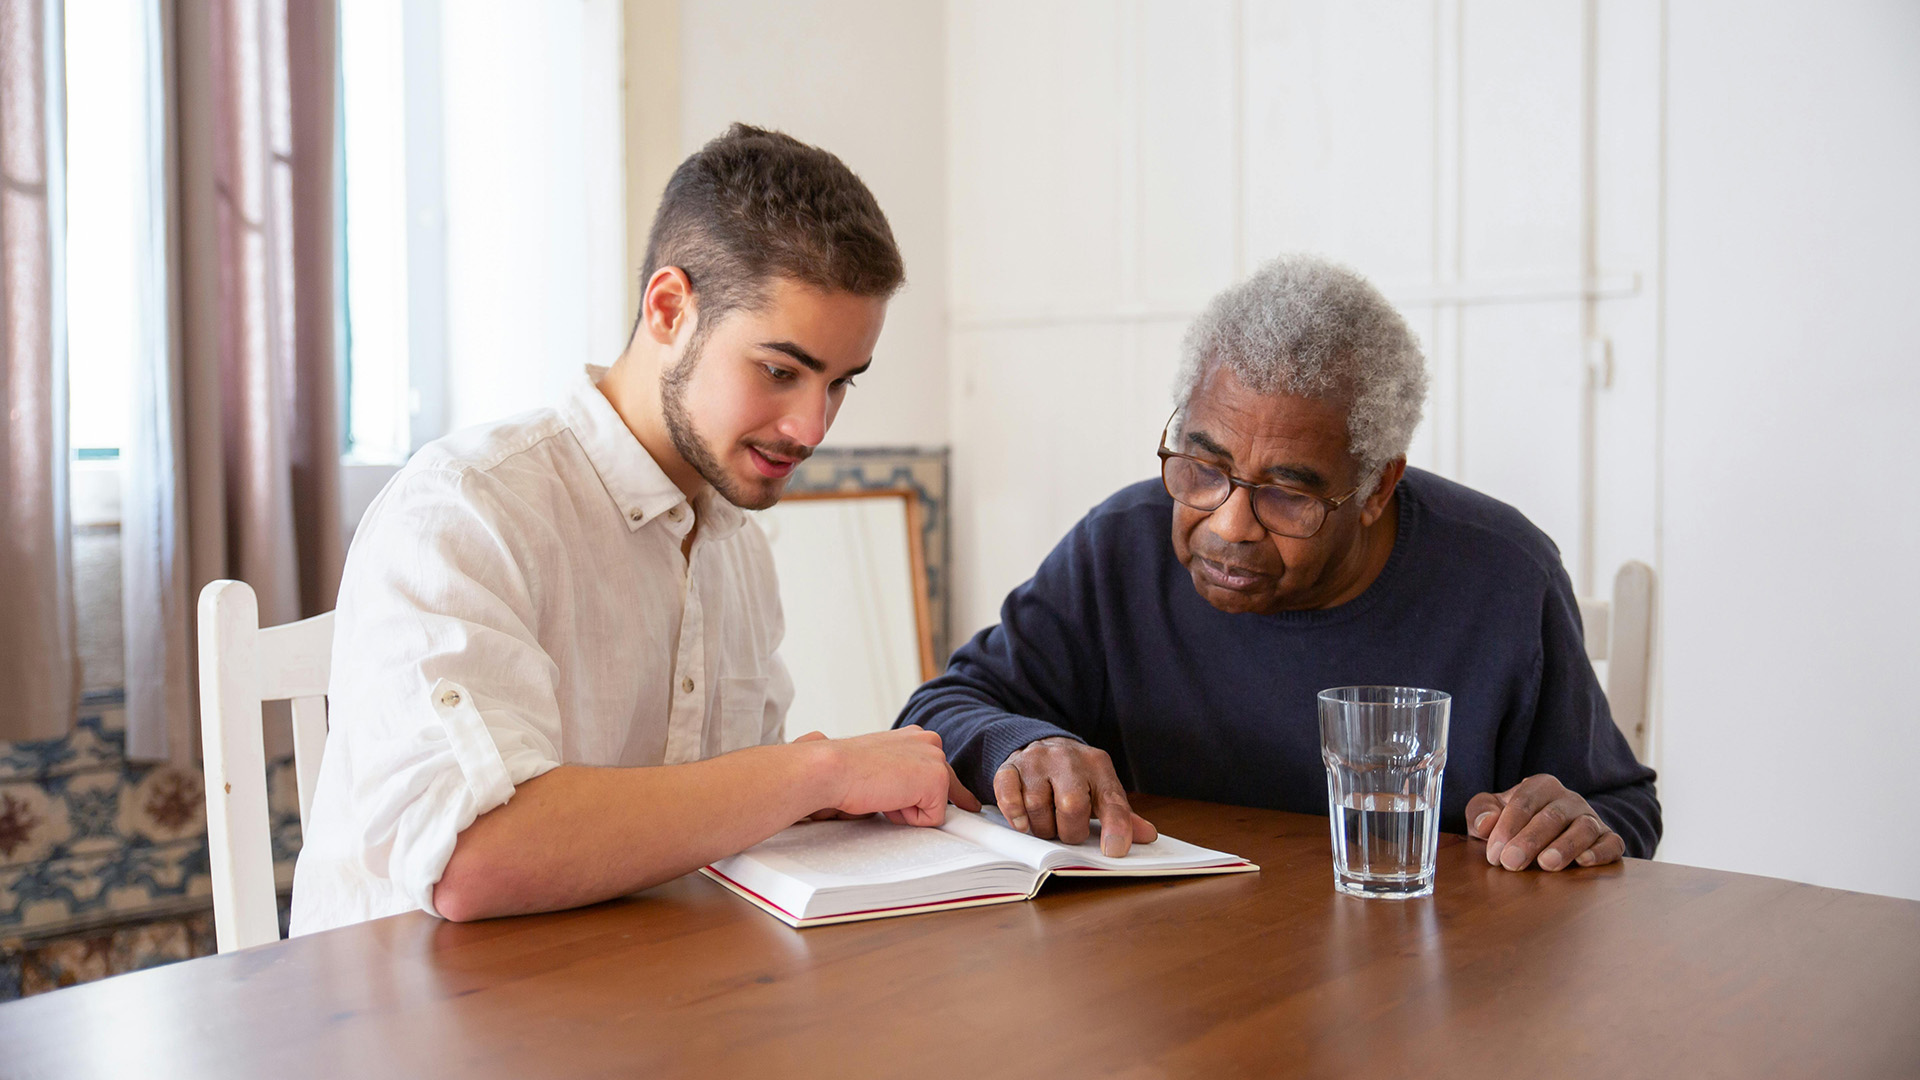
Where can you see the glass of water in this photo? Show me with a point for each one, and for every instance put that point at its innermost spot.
(1385, 747)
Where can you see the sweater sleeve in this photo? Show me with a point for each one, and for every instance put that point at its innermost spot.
(1573, 737)
(1038, 674)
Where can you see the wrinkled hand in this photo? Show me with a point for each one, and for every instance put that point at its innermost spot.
(902, 774)
(1539, 820)
(1052, 787)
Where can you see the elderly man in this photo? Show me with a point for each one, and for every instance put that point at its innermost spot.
(1175, 640)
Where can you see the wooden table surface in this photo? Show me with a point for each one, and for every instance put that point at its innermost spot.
(1640, 969)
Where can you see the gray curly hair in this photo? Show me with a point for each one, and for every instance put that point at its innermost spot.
(1309, 327)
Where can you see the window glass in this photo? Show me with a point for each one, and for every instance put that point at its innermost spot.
(107, 218)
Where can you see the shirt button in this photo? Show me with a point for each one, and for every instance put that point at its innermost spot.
(675, 514)
(686, 685)
(634, 515)
(450, 699)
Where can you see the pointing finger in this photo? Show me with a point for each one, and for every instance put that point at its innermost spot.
(1116, 820)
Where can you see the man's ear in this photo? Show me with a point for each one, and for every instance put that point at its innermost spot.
(666, 305)
(1376, 503)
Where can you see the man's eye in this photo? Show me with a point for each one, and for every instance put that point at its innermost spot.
(843, 383)
(776, 373)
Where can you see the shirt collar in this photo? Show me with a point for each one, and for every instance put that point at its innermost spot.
(640, 490)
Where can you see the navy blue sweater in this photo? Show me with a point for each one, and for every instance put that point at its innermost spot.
(1110, 644)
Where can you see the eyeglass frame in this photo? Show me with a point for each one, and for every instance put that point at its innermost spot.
(1164, 452)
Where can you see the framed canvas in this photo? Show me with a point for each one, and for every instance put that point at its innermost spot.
(853, 586)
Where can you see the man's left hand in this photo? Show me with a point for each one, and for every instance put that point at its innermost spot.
(1539, 820)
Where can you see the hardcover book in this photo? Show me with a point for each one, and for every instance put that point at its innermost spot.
(820, 872)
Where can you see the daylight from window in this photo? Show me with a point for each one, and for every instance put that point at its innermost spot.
(372, 75)
(107, 217)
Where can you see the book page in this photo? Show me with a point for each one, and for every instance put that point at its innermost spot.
(989, 829)
(825, 854)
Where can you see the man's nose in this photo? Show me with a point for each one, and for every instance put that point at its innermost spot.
(1234, 521)
(807, 422)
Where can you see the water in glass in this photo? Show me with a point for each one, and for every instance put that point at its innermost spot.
(1385, 748)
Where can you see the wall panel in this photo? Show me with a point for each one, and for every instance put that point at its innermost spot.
(1339, 130)
(1034, 157)
(864, 79)
(1186, 190)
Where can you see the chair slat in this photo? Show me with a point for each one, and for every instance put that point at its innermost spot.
(1594, 616)
(1630, 665)
(295, 658)
(309, 740)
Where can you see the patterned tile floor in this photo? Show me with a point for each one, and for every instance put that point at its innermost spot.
(103, 862)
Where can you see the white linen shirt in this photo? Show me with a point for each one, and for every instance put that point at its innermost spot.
(515, 599)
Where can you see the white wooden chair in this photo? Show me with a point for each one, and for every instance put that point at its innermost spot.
(242, 665)
(1620, 632)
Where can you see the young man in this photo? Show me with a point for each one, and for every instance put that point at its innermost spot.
(554, 679)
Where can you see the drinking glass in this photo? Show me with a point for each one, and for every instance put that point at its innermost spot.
(1384, 747)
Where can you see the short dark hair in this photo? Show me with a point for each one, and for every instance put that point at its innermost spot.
(753, 205)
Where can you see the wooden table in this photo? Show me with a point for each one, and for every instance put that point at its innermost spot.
(1641, 969)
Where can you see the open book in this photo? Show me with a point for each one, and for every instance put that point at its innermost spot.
(821, 872)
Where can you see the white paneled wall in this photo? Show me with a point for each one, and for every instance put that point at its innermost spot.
(862, 79)
(1115, 164)
(1791, 513)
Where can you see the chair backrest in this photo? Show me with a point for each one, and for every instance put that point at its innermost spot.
(1620, 632)
(242, 665)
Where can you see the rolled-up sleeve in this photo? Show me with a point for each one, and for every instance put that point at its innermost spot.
(441, 697)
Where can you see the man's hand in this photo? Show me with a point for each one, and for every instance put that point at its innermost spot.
(902, 774)
(1051, 787)
(1538, 819)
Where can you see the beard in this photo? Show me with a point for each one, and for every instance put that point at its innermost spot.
(755, 493)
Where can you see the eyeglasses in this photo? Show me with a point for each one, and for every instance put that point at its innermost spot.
(1207, 487)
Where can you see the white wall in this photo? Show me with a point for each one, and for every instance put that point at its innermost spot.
(863, 79)
(1792, 381)
(536, 275)
(1518, 179)
(1114, 165)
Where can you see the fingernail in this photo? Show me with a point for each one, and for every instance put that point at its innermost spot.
(1518, 860)
(1493, 851)
(1551, 860)
(1480, 823)
(1585, 858)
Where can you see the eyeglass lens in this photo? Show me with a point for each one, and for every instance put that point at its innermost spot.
(1278, 510)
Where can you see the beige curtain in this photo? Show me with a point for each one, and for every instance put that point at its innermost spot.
(39, 671)
(235, 469)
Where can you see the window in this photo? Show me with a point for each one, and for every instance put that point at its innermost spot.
(372, 140)
(115, 291)
(110, 217)
(390, 237)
